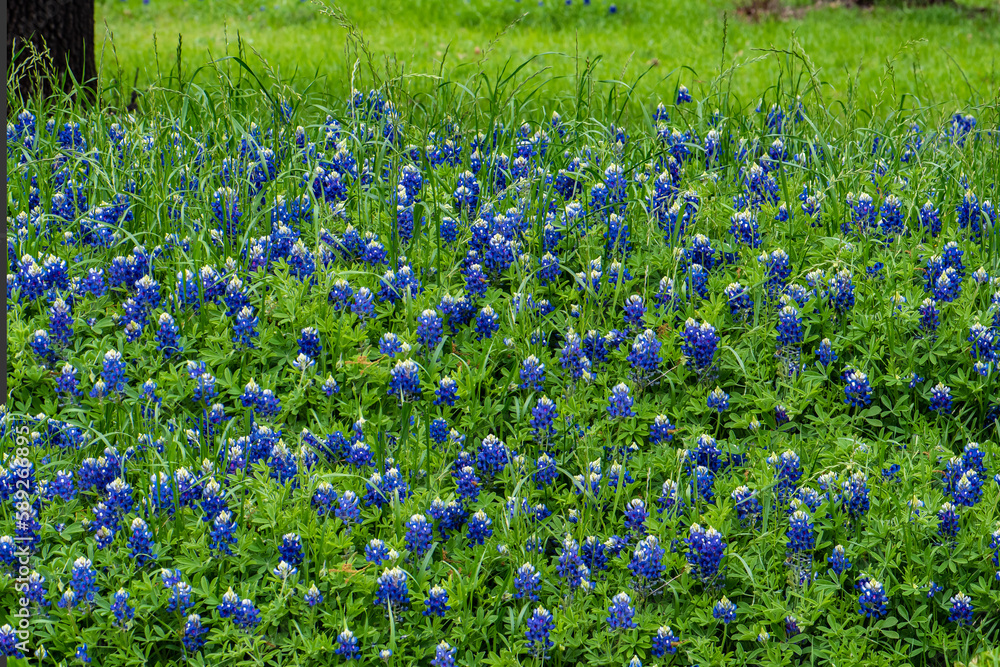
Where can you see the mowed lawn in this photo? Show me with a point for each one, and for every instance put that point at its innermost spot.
(939, 55)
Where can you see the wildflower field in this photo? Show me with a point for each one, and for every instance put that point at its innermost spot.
(472, 368)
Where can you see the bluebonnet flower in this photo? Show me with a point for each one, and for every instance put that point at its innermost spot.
(683, 95)
(439, 430)
(840, 291)
(857, 391)
(404, 381)
(994, 545)
(985, 345)
(444, 655)
(778, 269)
(825, 354)
(740, 303)
(341, 294)
(595, 552)
(167, 336)
(347, 509)
(854, 498)
(447, 392)
(245, 327)
(665, 642)
(787, 472)
(193, 634)
(9, 643)
(392, 590)
(892, 223)
(468, 483)
(122, 610)
(635, 311)
(570, 566)
(429, 328)
(247, 615)
(309, 343)
(621, 613)
(492, 456)
(941, 399)
(662, 430)
(180, 591)
(291, 549)
(141, 542)
(63, 485)
(479, 528)
(863, 214)
(635, 516)
(104, 537)
(418, 535)
(527, 582)
(705, 552)
(968, 491)
(347, 646)
(68, 599)
(724, 611)
(620, 403)
(223, 533)
(391, 346)
(948, 286)
(363, 305)
(948, 525)
(532, 374)
(961, 609)
(543, 415)
(718, 400)
(872, 600)
(789, 327)
(113, 371)
(930, 219)
(929, 320)
(313, 597)
(548, 269)
(974, 458)
(697, 281)
(437, 602)
(330, 386)
(644, 357)
(748, 508)
(213, 500)
(84, 579)
(780, 415)
(82, 655)
(646, 564)
(801, 536)
(36, 590)
(487, 323)
(744, 228)
(700, 341)
(376, 552)
(617, 237)
(540, 626)
(67, 382)
(41, 345)
(970, 214)
(60, 322)
(230, 604)
(204, 390)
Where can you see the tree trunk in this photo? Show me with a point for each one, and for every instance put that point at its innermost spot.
(62, 31)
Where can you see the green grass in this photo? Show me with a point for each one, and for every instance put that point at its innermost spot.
(939, 55)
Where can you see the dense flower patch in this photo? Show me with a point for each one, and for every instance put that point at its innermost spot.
(704, 388)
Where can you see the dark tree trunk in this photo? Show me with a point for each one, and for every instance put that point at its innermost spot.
(63, 32)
